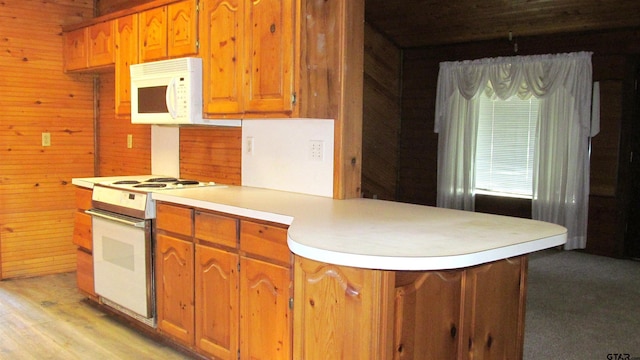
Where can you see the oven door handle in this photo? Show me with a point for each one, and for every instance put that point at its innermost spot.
(123, 219)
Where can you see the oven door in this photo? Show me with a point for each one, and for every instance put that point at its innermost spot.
(122, 257)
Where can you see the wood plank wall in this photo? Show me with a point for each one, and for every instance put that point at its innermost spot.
(114, 158)
(615, 53)
(381, 116)
(36, 194)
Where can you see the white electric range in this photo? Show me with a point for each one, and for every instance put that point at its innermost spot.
(123, 213)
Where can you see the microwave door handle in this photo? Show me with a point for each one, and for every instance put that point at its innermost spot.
(171, 100)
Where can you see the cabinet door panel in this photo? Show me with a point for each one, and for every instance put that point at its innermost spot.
(76, 54)
(427, 303)
(217, 304)
(265, 320)
(221, 49)
(183, 29)
(341, 312)
(153, 34)
(175, 288)
(126, 55)
(101, 44)
(269, 29)
(494, 305)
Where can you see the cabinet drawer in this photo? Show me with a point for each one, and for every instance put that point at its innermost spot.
(82, 235)
(264, 240)
(217, 229)
(83, 198)
(175, 219)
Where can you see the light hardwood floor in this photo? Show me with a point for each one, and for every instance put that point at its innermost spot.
(46, 318)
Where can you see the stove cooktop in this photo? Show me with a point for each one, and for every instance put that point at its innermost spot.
(157, 183)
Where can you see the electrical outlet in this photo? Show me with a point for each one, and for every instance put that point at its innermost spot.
(46, 139)
(250, 145)
(129, 141)
(316, 150)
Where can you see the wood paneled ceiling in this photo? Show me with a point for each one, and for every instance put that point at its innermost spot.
(419, 23)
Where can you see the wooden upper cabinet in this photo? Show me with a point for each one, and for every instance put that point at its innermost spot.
(153, 34)
(169, 31)
(90, 47)
(222, 46)
(248, 52)
(76, 50)
(183, 29)
(101, 44)
(269, 32)
(126, 55)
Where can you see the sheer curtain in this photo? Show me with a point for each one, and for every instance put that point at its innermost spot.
(563, 83)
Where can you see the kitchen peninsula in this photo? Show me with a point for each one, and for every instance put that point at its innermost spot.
(373, 279)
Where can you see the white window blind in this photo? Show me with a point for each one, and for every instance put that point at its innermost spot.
(505, 146)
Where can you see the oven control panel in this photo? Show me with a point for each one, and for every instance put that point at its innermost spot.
(126, 202)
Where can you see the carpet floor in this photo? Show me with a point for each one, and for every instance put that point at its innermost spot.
(582, 306)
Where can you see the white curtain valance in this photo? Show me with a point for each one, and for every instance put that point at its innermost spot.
(523, 76)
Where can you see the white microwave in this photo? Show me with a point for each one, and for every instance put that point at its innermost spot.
(169, 92)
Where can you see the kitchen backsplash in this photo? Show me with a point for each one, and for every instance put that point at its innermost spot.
(290, 154)
(165, 150)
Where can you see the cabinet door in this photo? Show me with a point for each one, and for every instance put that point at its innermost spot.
(126, 55)
(269, 30)
(265, 317)
(174, 284)
(342, 312)
(153, 34)
(221, 49)
(183, 29)
(494, 310)
(101, 44)
(217, 315)
(427, 303)
(76, 54)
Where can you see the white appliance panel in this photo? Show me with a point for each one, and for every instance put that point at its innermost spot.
(120, 264)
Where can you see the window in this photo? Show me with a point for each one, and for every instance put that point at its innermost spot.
(505, 146)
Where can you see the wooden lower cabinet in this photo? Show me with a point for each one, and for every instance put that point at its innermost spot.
(216, 298)
(83, 238)
(350, 313)
(175, 287)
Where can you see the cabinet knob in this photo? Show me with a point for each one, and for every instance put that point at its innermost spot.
(272, 28)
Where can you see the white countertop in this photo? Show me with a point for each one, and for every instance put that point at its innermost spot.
(375, 234)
